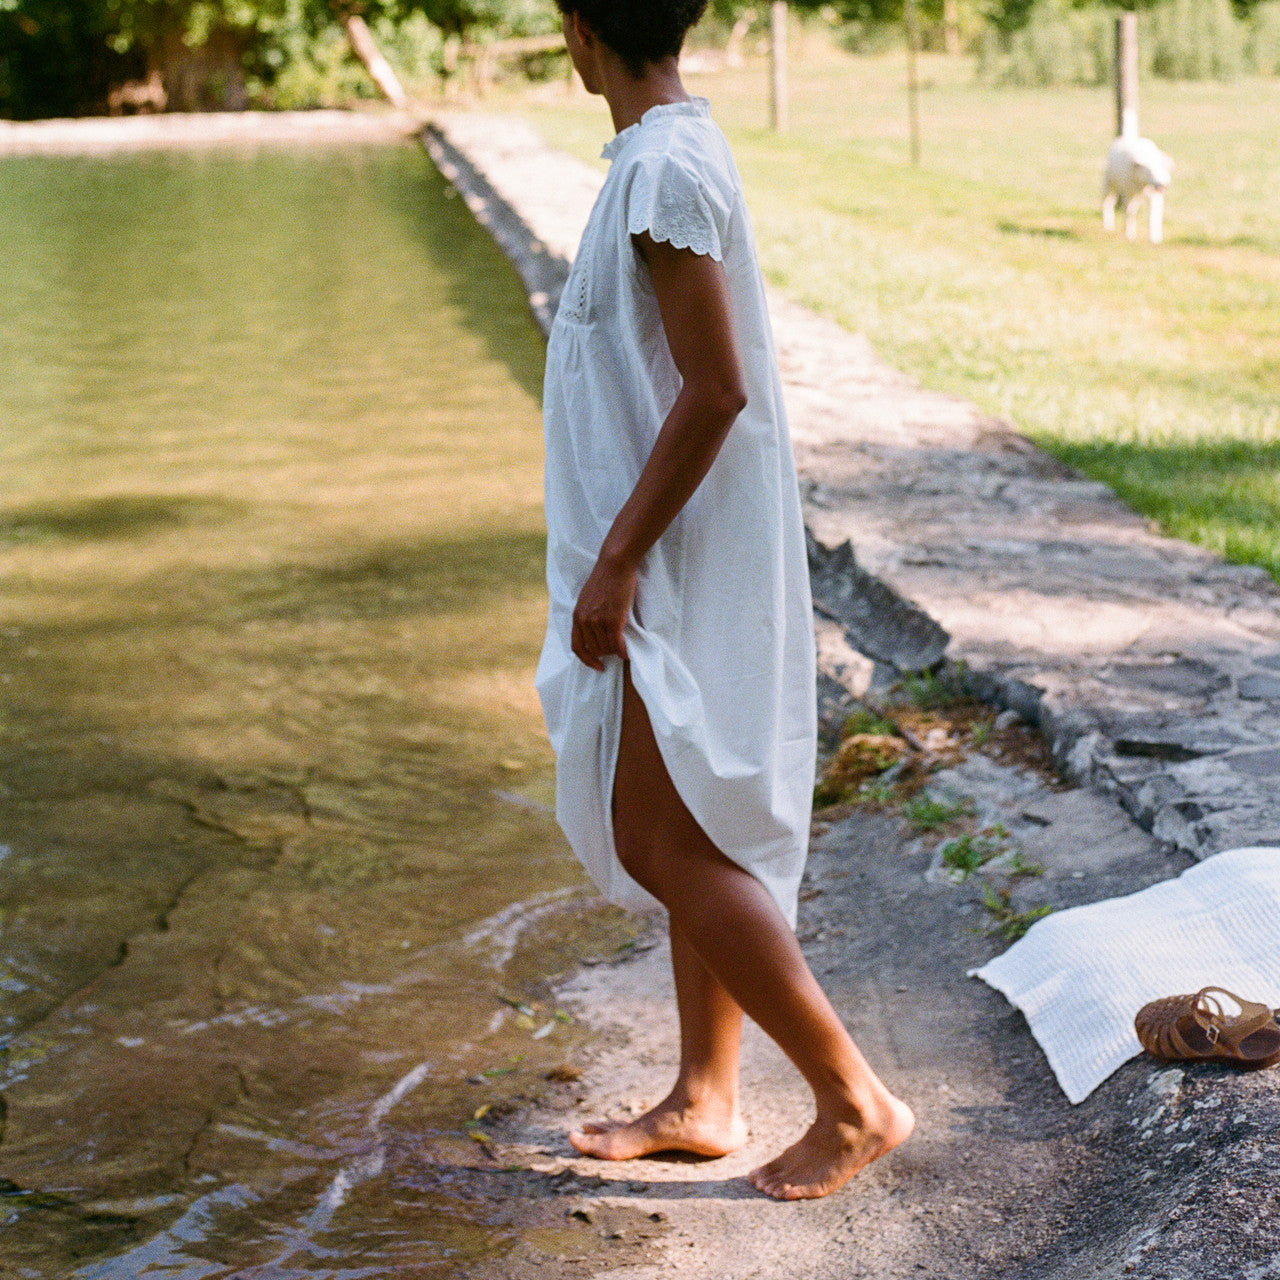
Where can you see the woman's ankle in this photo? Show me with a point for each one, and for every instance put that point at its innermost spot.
(866, 1104)
(705, 1094)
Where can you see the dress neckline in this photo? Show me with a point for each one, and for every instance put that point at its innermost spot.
(693, 107)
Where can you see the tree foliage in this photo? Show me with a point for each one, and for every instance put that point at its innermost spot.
(56, 59)
(1013, 15)
(60, 58)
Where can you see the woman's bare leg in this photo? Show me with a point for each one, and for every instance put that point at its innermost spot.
(710, 1032)
(735, 927)
(700, 1114)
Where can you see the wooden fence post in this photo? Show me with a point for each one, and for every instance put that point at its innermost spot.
(778, 65)
(911, 20)
(1127, 74)
(951, 27)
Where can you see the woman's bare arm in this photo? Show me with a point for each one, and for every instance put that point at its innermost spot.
(693, 299)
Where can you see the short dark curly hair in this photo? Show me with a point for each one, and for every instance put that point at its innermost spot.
(640, 32)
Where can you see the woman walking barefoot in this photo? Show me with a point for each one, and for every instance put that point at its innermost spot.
(677, 677)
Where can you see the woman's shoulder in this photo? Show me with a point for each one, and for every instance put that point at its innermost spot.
(684, 151)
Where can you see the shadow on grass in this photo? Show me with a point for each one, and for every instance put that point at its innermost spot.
(1043, 231)
(1222, 494)
(122, 516)
(1193, 240)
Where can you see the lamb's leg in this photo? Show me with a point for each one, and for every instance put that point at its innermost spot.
(1157, 216)
(1131, 220)
(1109, 211)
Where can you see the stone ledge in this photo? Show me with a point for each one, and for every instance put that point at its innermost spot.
(97, 134)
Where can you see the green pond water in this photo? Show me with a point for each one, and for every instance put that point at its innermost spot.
(272, 773)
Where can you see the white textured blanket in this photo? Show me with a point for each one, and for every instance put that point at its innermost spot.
(1080, 975)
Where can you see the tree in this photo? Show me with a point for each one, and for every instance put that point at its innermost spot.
(941, 17)
(56, 59)
(62, 58)
(59, 58)
(1013, 15)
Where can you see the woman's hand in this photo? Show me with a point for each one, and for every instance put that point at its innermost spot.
(604, 605)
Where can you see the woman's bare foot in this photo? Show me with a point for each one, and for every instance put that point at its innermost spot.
(673, 1125)
(832, 1151)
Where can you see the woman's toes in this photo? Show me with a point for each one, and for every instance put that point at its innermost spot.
(589, 1141)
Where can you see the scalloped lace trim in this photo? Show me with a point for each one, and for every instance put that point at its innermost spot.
(680, 233)
(667, 203)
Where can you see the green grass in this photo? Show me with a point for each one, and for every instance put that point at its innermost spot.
(926, 812)
(864, 720)
(933, 690)
(965, 854)
(986, 272)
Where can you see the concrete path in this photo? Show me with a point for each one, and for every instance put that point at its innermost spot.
(1151, 669)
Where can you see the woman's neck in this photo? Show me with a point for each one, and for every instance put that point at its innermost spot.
(629, 98)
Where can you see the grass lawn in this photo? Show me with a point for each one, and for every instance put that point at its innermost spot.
(986, 271)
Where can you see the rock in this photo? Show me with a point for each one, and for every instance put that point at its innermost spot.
(1259, 688)
(879, 622)
(860, 756)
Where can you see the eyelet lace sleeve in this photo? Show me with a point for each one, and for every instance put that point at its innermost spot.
(673, 204)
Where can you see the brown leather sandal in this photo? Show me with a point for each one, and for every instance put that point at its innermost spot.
(1198, 1029)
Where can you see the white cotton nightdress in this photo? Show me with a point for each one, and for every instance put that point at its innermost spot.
(721, 636)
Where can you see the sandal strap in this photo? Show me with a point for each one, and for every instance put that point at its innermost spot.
(1175, 1045)
(1157, 1028)
(1208, 1011)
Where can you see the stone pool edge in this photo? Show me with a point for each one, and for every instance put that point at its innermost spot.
(1154, 679)
(95, 135)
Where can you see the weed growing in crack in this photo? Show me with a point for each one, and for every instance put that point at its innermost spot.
(1007, 921)
(1018, 867)
(864, 720)
(926, 812)
(930, 690)
(966, 853)
(877, 792)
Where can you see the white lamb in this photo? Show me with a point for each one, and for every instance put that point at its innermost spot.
(1136, 167)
